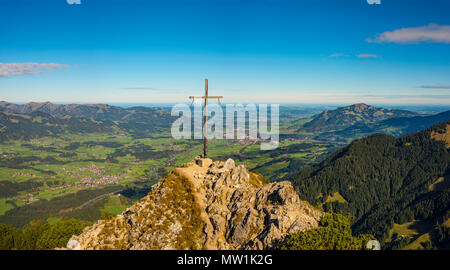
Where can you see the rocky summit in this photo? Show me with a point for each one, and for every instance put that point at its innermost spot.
(205, 205)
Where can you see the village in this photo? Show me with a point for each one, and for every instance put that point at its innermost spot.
(98, 178)
(92, 176)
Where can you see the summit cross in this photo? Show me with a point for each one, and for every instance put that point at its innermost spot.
(205, 119)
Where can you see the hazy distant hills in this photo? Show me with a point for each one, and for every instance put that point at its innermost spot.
(96, 111)
(344, 117)
(360, 120)
(34, 120)
(38, 124)
(394, 126)
(382, 180)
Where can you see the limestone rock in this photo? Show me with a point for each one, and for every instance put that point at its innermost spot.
(206, 205)
(73, 244)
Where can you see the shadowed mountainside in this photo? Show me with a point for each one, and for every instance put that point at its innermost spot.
(382, 180)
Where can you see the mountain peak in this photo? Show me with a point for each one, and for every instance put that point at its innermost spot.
(361, 106)
(344, 117)
(205, 204)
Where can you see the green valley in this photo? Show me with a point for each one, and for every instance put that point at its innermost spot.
(57, 165)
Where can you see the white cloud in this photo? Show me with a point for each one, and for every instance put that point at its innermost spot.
(19, 69)
(436, 86)
(429, 33)
(337, 55)
(365, 55)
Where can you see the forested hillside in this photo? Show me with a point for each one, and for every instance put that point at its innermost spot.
(382, 181)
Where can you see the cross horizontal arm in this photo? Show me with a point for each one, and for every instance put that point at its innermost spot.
(203, 97)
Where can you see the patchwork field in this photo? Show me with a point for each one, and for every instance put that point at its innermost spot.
(55, 168)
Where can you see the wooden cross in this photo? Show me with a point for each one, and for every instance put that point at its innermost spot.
(205, 121)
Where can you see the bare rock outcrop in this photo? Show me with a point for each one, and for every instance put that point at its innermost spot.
(216, 205)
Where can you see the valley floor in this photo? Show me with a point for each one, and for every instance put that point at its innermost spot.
(61, 168)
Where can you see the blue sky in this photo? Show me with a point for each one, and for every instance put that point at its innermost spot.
(273, 51)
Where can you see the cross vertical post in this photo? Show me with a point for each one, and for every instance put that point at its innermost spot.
(205, 119)
(205, 129)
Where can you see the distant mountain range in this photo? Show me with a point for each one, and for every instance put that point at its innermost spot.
(360, 120)
(394, 126)
(383, 180)
(344, 117)
(34, 120)
(37, 124)
(96, 111)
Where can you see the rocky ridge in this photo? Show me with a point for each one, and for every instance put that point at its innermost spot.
(205, 205)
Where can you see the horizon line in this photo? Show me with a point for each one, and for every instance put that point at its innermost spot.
(280, 103)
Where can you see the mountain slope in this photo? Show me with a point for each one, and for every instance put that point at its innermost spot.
(393, 126)
(347, 116)
(213, 206)
(132, 116)
(96, 111)
(48, 119)
(15, 126)
(383, 180)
